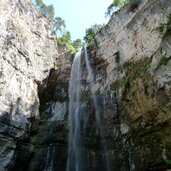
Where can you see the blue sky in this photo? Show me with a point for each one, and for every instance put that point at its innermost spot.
(80, 14)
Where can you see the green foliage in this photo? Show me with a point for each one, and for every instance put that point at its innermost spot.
(168, 161)
(163, 61)
(161, 29)
(90, 33)
(116, 5)
(111, 8)
(59, 24)
(120, 3)
(72, 46)
(77, 44)
(164, 29)
(134, 70)
(66, 37)
(47, 11)
(168, 27)
(55, 66)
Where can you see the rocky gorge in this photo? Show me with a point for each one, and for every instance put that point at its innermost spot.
(130, 59)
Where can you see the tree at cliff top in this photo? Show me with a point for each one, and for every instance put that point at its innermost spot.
(47, 11)
(65, 36)
(77, 44)
(90, 34)
(59, 26)
(73, 46)
(115, 6)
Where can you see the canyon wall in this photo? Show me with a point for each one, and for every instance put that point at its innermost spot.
(28, 52)
(135, 54)
(131, 64)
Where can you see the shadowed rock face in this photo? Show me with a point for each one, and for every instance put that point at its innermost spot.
(28, 51)
(137, 120)
(50, 142)
(132, 72)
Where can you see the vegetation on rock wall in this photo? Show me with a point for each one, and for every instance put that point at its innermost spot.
(90, 34)
(165, 28)
(120, 4)
(116, 5)
(47, 11)
(164, 60)
(134, 69)
(64, 36)
(59, 26)
(72, 45)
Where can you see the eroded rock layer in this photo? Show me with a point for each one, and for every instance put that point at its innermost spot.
(27, 53)
(136, 55)
(132, 68)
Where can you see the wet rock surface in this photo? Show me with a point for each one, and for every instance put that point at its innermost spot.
(50, 141)
(28, 51)
(132, 71)
(137, 121)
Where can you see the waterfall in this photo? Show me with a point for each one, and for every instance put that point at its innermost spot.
(74, 151)
(97, 112)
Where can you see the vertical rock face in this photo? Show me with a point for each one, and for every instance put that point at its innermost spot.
(132, 69)
(28, 51)
(51, 141)
(136, 88)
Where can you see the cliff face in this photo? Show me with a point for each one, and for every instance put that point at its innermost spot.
(50, 142)
(28, 51)
(132, 68)
(137, 66)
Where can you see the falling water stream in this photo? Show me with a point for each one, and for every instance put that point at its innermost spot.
(97, 111)
(76, 153)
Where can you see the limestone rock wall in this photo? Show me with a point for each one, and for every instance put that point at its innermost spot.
(50, 142)
(132, 34)
(27, 53)
(131, 65)
(136, 87)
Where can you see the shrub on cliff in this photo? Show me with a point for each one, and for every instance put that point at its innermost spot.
(115, 6)
(164, 29)
(59, 26)
(90, 33)
(77, 44)
(47, 11)
(73, 46)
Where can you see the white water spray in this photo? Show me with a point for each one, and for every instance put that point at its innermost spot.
(74, 151)
(76, 154)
